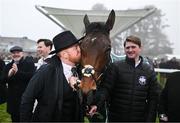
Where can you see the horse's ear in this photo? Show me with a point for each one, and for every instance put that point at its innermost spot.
(86, 21)
(110, 22)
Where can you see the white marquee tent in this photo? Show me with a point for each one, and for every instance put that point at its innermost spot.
(73, 19)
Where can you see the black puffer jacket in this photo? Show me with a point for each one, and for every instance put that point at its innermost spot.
(132, 91)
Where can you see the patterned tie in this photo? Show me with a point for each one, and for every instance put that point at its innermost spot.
(74, 71)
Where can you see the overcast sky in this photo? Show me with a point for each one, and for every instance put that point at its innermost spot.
(19, 18)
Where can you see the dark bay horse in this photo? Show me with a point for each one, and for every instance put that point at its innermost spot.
(95, 50)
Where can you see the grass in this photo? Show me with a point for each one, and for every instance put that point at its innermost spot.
(4, 116)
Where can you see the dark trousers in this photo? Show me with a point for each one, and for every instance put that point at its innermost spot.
(15, 117)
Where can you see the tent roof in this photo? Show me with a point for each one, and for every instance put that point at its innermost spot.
(73, 19)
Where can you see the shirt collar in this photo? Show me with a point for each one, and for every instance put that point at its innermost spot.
(138, 62)
(66, 66)
(49, 56)
(67, 70)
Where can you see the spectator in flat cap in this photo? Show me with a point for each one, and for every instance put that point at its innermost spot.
(16, 54)
(50, 85)
(17, 74)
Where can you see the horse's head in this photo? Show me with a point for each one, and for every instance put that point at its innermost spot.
(95, 50)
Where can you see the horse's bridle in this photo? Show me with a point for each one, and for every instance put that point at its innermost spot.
(89, 71)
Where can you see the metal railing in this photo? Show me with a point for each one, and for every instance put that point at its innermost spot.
(162, 75)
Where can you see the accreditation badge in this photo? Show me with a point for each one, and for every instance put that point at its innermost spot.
(142, 80)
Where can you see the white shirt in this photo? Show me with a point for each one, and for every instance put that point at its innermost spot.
(41, 61)
(137, 63)
(67, 71)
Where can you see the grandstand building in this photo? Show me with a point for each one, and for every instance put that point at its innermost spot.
(29, 46)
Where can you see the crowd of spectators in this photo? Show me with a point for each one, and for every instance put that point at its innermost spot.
(164, 63)
(167, 64)
(6, 56)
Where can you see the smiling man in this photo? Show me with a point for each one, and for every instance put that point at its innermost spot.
(130, 86)
(44, 47)
(17, 74)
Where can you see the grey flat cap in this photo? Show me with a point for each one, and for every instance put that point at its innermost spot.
(16, 48)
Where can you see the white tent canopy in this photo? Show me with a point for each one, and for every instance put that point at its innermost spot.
(73, 19)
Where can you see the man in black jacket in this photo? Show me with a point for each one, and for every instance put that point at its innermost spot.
(130, 86)
(17, 74)
(169, 106)
(50, 85)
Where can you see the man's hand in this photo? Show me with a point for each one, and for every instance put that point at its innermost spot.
(163, 117)
(13, 70)
(92, 111)
(73, 82)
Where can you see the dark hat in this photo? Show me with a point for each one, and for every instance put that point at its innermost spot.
(16, 48)
(63, 40)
